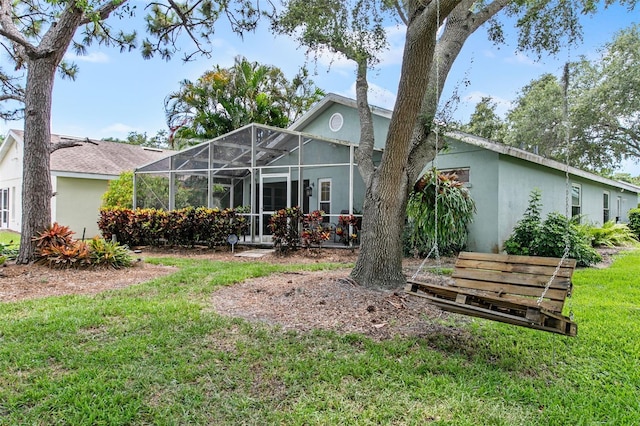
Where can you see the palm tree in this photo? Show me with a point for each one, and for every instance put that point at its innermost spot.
(226, 99)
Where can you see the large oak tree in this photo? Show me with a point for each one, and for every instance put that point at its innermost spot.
(436, 31)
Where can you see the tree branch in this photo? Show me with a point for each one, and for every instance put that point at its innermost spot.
(68, 144)
(9, 30)
(185, 24)
(364, 152)
(460, 24)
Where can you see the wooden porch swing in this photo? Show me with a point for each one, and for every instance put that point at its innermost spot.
(527, 291)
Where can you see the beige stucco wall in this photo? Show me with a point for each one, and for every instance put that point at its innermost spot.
(77, 204)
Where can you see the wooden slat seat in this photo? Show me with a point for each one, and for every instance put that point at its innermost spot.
(506, 288)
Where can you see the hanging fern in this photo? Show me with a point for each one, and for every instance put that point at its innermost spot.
(455, 210)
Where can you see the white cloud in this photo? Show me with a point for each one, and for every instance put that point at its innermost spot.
(117, 130)
(378, 96)
(520, 58)
(396, 36)
(488, 53)
(502, 105)
(93, 57)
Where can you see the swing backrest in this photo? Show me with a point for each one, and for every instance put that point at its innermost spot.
(520, 280)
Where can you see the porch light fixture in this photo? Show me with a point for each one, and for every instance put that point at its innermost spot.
(308, 191)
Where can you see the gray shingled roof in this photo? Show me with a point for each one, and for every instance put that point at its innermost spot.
(100, 157)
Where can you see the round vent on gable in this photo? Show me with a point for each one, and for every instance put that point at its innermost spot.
(336, 121)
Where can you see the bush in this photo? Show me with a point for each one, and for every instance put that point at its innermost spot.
(530, 237)
(109, 253)
(556, 231)
(634, 221)
(184, 227)
(455, 210)
(610, 234)
(285, 229)
(522, 240)
(56, 247)
(119, 192)
(313, 233)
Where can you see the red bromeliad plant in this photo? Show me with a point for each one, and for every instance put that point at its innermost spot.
(56, 247)
(54, 235)
(63, 256)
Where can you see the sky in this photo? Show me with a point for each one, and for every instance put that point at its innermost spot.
(118, 93)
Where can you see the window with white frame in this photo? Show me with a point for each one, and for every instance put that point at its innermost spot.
(335, 122)
(576, 200)
(605, 207)
(324, 197)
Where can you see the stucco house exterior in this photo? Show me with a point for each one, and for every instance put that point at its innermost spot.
(79, 177)
(501, 178)
(311, 164)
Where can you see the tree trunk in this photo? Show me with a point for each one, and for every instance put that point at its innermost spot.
(379, 264)
(36, 184)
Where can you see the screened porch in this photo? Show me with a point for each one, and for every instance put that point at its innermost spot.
(260, 169)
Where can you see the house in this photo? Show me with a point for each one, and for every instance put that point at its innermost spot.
(501, 178)
(79, 177)
(311, 164)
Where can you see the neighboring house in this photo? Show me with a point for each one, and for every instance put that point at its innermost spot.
(79, 177)
(311, 164)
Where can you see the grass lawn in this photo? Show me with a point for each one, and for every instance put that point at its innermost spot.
(156, 353)
(7, 238)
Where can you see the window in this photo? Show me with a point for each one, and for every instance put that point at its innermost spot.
(462, 174)
(4, 208)
(324, 197)
(576, 200)
(605, 207)
(336, 121)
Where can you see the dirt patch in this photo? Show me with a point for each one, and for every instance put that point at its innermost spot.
(19, 282)
(305, 301)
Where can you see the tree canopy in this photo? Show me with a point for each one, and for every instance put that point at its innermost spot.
(485, 122)
(602, 98)
(225, 99)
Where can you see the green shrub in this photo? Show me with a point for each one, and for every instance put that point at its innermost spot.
(119, 192)
(634, 221)
(610, 234)
(455, 210)
(285, 229)
(8, 252)
(556, 231)
(109, 253)
(550, 238)
(523, 238)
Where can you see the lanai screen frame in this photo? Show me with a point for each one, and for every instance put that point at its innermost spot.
(245, 153)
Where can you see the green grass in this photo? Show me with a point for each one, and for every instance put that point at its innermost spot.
(7, 237)
(156, 353)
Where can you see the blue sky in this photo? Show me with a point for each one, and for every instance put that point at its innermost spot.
(117, 93)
